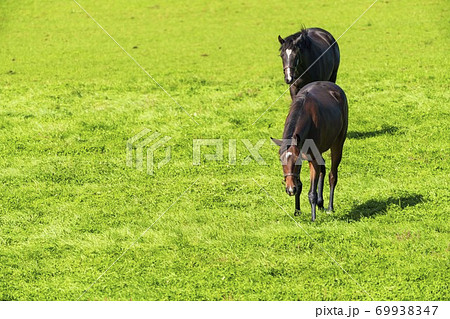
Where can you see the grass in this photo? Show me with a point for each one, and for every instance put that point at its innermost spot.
(70, 99)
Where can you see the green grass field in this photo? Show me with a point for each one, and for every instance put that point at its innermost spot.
(70, 99)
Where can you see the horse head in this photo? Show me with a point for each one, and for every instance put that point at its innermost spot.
(291, 161)
(291, 56)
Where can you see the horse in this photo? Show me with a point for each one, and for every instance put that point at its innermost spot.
(309, 55)
(317, 121)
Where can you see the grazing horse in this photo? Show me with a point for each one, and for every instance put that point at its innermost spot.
(309, 55)
(317, 121)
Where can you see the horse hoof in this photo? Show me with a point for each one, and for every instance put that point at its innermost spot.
(297, 212)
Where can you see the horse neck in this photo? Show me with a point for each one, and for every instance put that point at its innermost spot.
(298, 122)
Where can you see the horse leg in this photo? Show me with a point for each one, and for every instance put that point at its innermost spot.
(293, 90)
(297, 199)
(320, 187)
(312, 195)
(336, 156)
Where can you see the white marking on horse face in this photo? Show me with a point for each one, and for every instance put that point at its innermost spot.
(288, 154)
(291, 191)
(288, 53)
(288, 74)
(288, 70)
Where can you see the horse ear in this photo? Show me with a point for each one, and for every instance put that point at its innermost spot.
(276, 141)
(280, 39)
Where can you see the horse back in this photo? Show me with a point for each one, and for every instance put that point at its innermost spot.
(325, 104)
(328, 59)
(321, 35)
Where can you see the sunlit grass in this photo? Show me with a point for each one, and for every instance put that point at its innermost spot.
(70, 206)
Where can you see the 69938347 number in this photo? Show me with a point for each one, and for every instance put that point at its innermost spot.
(405, 310)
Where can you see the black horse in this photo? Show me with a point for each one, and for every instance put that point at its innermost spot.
(309, 55)
(317, 121)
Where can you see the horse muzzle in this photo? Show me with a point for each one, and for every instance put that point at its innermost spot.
(288, 75)
(288, 80)
(291, 191)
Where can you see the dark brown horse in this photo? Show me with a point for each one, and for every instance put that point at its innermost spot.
(309, 55)
(317, 121)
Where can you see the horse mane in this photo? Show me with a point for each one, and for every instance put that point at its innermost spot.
(300, 39)
(304, 41)
(291, 120)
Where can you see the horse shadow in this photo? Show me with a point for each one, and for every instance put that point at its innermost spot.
(375, 207)
(387, 129)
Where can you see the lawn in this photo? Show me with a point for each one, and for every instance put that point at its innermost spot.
(71, 98)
